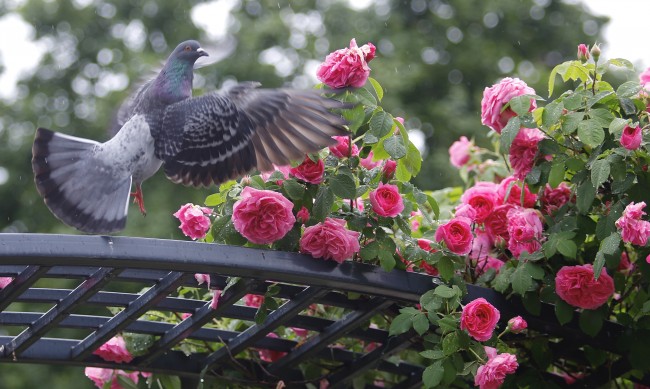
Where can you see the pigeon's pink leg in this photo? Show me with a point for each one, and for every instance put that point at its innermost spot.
(138, 199)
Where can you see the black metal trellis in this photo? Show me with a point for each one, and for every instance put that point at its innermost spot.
(164, 265)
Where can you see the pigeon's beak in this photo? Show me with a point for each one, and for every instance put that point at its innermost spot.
(202, 53)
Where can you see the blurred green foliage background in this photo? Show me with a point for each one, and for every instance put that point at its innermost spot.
(434, 58)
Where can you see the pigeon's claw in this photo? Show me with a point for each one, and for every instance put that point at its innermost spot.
(138, 199)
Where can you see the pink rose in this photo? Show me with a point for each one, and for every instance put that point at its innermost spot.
(583, 52)
(644, 79)
(633, 229)
(509, 191)
(102, 376)
(271, 355)
(459, 152)
(309, 171)
(517, 324)
(486, 263)
(194, 220)
(624, 265)
(425, 245)
(496, 224)
(284, 169)
(342, 148)
(330, 240)
(482, 197)
(302, 215)
(525, 231)
(479, 318)
(493, 373)
(554, 199)
(4, 281)
(466, 210)
(347, 67)
(216, 296)
(457, 235)
(388, 171)
(368, 163)
(498, 95)
(576, 286)
(386, 200)
(201, 278)
(631, 137)
(523, 151)
(253, 300)
(262, 216)
(114, 350)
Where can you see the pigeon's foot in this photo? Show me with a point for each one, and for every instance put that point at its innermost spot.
(138, 199)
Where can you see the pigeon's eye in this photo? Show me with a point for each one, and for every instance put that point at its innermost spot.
(188, 48)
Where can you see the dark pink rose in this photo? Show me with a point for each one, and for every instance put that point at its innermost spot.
(330, 240)
(216, 296)
(342, 148)
(347, 67)
(493, 373)
(553, 199)
(201, 278)
(194, 220)
(271, 355)
(301, 332)
(460, 152)
(624, 265)
(482, 197)
(425, 245)
(576, 285)
(631, 137)
(479, 318)
(495, 97)
(303, 215)
(262, 216)
(523, 151)
(583, 52)
(386, 200)
(633, 229)
(4, 281)
(509, 192)
(253, 300)
(457, 235)
(517, 324)
(525, 231)
(102, 376)
(496, 224)
(114, 351)
(368, 163)
(309, 171)
(388, 171)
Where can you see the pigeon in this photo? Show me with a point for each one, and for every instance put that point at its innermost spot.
(198, 141)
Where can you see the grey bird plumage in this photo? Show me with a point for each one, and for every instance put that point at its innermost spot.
(199, 141)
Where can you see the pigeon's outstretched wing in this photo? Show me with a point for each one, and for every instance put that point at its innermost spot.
(219, 136)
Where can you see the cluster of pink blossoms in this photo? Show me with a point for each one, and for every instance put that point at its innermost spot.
(633, 229)
(113, 351)
(347, 67)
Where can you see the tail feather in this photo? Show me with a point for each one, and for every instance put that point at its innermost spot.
(80, 189)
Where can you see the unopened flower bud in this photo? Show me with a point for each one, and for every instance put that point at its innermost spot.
(388, 171)
(583, 53)
(595, 52)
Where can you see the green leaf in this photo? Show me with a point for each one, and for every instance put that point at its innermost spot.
(617, 125)
(563, 312)
(556, 175)
(421, 324)
(522, 279)
(387, 260)
(366, 98)
(608, 246)
(599, 172)
(355, 116)
(167, 381)
(294, 189)
(628, 89)
(381, 123)
(450, 343)
(432, 375)
(591, 321)
(502, 280)
(434, 206)
(430, 302)
(520, 104)
(410, 165)
(400, 324)
(343, 186)
(214, 199)
(570, 122)
(552, 113)
(446, 268)
(323, 202)
(509, 133)
(127, 383)
(448, 323)
(585, 196)
(591, 133)
(432, 354)
(568, 248)
(370, 251)
(379, 91)
(445, 292)
(558, 69)
(395, 147)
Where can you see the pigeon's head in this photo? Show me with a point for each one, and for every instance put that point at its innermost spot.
(188, 51)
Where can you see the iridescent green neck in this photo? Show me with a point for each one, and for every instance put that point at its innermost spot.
(174, 83)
